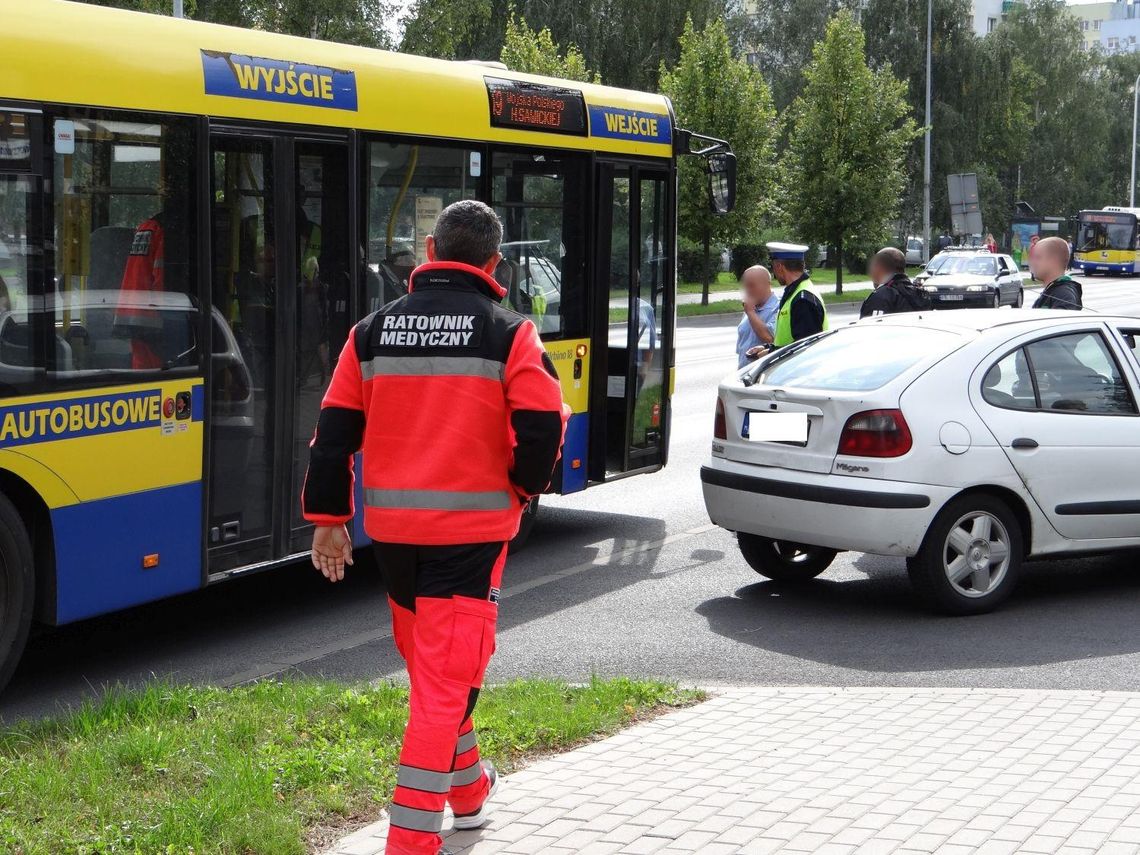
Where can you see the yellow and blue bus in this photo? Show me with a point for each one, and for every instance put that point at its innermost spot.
(192, 217)
(1106, 241)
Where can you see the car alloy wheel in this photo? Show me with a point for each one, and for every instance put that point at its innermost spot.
(997, 298)
(783, 560)
(970, 559)
(977, 554)
(1020, 298)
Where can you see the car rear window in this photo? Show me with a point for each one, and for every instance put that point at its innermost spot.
(856, 359)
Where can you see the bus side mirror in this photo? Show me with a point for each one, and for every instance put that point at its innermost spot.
(722, 182)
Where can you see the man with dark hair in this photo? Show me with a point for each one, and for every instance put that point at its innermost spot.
(894, 292)
(801, 311)
(459, 413)
(1048, 263)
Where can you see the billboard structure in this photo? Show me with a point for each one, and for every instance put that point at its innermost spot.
(965, 209)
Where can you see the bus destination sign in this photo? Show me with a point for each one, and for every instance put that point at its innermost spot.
(536, 107)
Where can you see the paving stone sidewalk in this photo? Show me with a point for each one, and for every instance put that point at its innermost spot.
(834, 771)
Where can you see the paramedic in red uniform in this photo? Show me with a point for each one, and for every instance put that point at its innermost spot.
(459, 414)
(143, 274)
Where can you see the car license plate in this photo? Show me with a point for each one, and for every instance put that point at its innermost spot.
(776, 427)
(950, 297)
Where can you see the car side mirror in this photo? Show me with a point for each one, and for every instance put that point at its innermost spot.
(722, 182)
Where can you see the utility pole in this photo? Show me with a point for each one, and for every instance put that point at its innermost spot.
(178, 12)
(1135, 104)
(926, 164)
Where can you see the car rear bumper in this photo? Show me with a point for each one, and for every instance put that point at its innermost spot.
(821, 509)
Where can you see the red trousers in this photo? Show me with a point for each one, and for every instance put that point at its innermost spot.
(444, 602)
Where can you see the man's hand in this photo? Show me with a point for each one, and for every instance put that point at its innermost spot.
(332, 549)
(749, 306)
(756, 352)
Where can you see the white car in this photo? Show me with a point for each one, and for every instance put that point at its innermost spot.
(964, 441)
(961, 279)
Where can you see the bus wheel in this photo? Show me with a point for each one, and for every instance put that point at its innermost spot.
(528, 518)
(17, 588)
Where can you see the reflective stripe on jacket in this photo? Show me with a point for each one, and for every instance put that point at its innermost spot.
(457, 408)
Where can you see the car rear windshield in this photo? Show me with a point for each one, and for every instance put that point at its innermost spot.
(856, 359)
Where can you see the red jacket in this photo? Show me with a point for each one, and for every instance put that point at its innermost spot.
(458, 410)
(144, 273)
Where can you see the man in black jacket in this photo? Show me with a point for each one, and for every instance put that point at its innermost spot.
(894, 292)
(1049, 262)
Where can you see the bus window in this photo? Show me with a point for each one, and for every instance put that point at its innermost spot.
(651, 280)
(123, 215)
(1099, 235)
(18, 363)
(408, 187)
(542, 204)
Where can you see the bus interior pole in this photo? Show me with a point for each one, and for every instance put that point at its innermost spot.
(926, 161)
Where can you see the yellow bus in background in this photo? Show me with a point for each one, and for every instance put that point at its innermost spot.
(192, 218)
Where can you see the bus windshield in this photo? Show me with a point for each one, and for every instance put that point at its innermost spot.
(1099, 233)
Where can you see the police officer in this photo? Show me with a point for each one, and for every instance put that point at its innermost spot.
(801, 311)
(459, 413)
(894, 292)
(1048, 263)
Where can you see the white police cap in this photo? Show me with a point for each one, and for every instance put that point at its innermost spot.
(786, 251)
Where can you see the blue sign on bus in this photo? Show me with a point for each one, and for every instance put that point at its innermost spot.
(261, 79)
(622, 124)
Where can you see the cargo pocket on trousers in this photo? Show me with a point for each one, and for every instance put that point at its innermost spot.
(472, 640)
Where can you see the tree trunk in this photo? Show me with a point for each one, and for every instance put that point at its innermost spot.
(839, 267)
(705, 283)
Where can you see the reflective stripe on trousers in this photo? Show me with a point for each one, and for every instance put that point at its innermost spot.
(438, 500)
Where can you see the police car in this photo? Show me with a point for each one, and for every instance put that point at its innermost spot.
(964, 277)
(964, 442)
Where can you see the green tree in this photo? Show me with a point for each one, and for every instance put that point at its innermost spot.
(624, 42)
(848, 134)
(718, 94)
(538, 53)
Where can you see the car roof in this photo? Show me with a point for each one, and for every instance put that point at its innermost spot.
(981, 320)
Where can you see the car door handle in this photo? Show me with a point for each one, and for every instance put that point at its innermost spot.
(1023, 442)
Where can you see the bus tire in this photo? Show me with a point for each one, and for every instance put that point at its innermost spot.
(525, 527)
(17, 588)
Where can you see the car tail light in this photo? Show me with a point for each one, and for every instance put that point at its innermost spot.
(720, 424)
(876, 433)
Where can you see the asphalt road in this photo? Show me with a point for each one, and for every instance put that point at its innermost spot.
(630, 578)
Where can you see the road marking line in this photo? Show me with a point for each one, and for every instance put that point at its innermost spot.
(609, 559)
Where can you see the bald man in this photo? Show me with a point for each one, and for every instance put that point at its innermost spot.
(1049, 261)
(757, 327)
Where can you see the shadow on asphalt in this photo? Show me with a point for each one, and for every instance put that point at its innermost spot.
(207, 635)
(1061, 611)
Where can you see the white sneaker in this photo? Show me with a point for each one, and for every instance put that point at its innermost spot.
(468, 821)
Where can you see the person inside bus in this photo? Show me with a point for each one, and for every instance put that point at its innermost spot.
(458, 410)
(145, 272)
(1048, 263)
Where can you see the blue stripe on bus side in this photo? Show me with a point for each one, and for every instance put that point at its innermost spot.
(575, 448)
(99, 548)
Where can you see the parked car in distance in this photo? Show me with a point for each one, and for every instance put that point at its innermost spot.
(914, 251)
(964, 442)
(963, 278)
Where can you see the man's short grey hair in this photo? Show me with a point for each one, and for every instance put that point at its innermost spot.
(891, 259)
(468, 232)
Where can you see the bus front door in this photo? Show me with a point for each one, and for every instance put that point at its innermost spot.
(634, 270)
(281, 310)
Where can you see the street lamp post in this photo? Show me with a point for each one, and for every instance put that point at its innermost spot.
(178, 9)
(1135, 104)
(926, 164)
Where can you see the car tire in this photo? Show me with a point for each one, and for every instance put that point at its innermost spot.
(954, 570)
(782, 560)
(526, 525)
(17, 588)
(997, 298)
(1020, 298)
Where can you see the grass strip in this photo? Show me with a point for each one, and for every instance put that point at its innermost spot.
(268, 768)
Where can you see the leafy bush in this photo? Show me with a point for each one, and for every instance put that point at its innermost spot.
(692, 266)
(744, 255)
